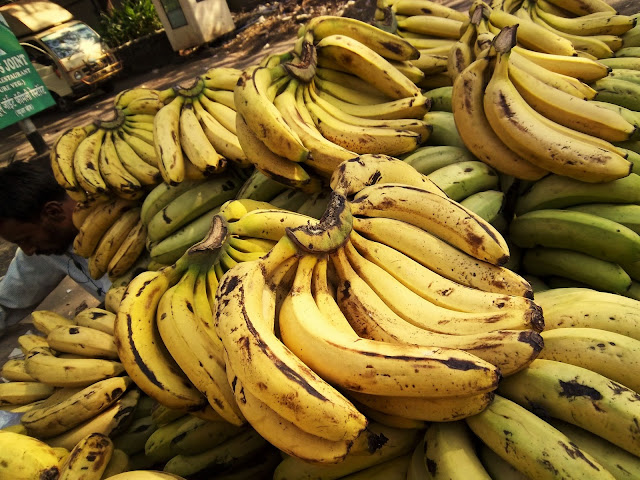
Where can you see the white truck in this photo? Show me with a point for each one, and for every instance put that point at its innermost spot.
(67, 53)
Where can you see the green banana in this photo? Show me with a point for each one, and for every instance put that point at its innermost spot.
(444, 129)
(618, 91)
(487, 204)
(463, 179)
(625, 214)
(440, 99)
(430, 158)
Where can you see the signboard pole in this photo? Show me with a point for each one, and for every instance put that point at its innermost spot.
(33, 135)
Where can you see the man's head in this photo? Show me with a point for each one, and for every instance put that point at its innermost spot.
(35, 212)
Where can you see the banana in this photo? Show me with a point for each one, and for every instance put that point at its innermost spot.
(444, 129)
(192, 204)
(589, 24)
(532, 35)
(140, 347)
(62, 155)
(22, 393)
(355, 174)
(337, 344)
(440, 98)
(223, 141)
(192, 348)
(108, 422)
(111, 241)
(441, 257)
(140, 118)
(487, 204)
(461, 54)
(399, 442)
(395, 469)
(168, 250)
(581, 8)
(80, 405)
(618, 91)
(290, 174)
(436, 214)
(383, 43)
(260, 187)
(195, 143)
(27, 458)
(85, 163)
(236, 450)
(625, 74)
(438, 289)
(578, 396)
(631, 63)
(365, 63)
(345, 79)
(82, 210)
(540, 141)
(42, 365)
(579, 231)
(133, 439)
(145, 174)
(139, 474)
(143, 131)
(224, 78)
(97, 224)
(567, 110)
(223, 97)
(118, 463)
(282, 433)
(262, 117)
(450, 453)
(584, 69)
(84, 341)
(413, 125)
(619, 462)
(225, 115)
(166, 132)
(350, 95)
(144, 105)
(44, 321)
(430, 63)
(596, 273)
(115, 175)
(361, 139)
(129, 251)
(427, 7)
(88, 459)
(566, 83)
(475, 130)
(198, 435)
(519, 449)
(496, 467)
(14, 370)
(309, 411)
(607, 353)
(28, 342)
(144, 148)
(626, 215)
(407, 304)
(408, 107)
(510, 350)
(463, 179)
(556, 191)
(428, 159)
(325, 155)
(431, 25)
(159, 445)
(161, 196)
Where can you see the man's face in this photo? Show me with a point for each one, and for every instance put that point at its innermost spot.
(50, 235)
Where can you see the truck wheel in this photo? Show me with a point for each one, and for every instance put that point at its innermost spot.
(64, 104)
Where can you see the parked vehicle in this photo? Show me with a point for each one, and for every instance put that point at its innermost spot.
(68, 54)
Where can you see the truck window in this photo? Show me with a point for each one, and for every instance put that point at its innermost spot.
(78, 38)
(37, 55)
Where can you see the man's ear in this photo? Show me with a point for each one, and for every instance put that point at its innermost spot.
(53, 211)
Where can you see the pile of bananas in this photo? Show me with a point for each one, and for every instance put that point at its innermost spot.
(580, 233)
(343, 91)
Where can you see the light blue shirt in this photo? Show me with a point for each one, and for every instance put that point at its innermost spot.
(30, 279)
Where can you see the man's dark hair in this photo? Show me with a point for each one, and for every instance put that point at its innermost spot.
(25, 187)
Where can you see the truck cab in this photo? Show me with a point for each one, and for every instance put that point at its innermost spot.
(67, 53)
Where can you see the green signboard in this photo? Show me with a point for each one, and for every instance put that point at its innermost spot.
(22, 92)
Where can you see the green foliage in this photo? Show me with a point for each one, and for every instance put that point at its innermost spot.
(132, 19)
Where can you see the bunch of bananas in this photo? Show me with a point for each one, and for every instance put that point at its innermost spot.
(343, 90)
(116, 157)
(584, 232)
(111, 235)
(195, 132)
